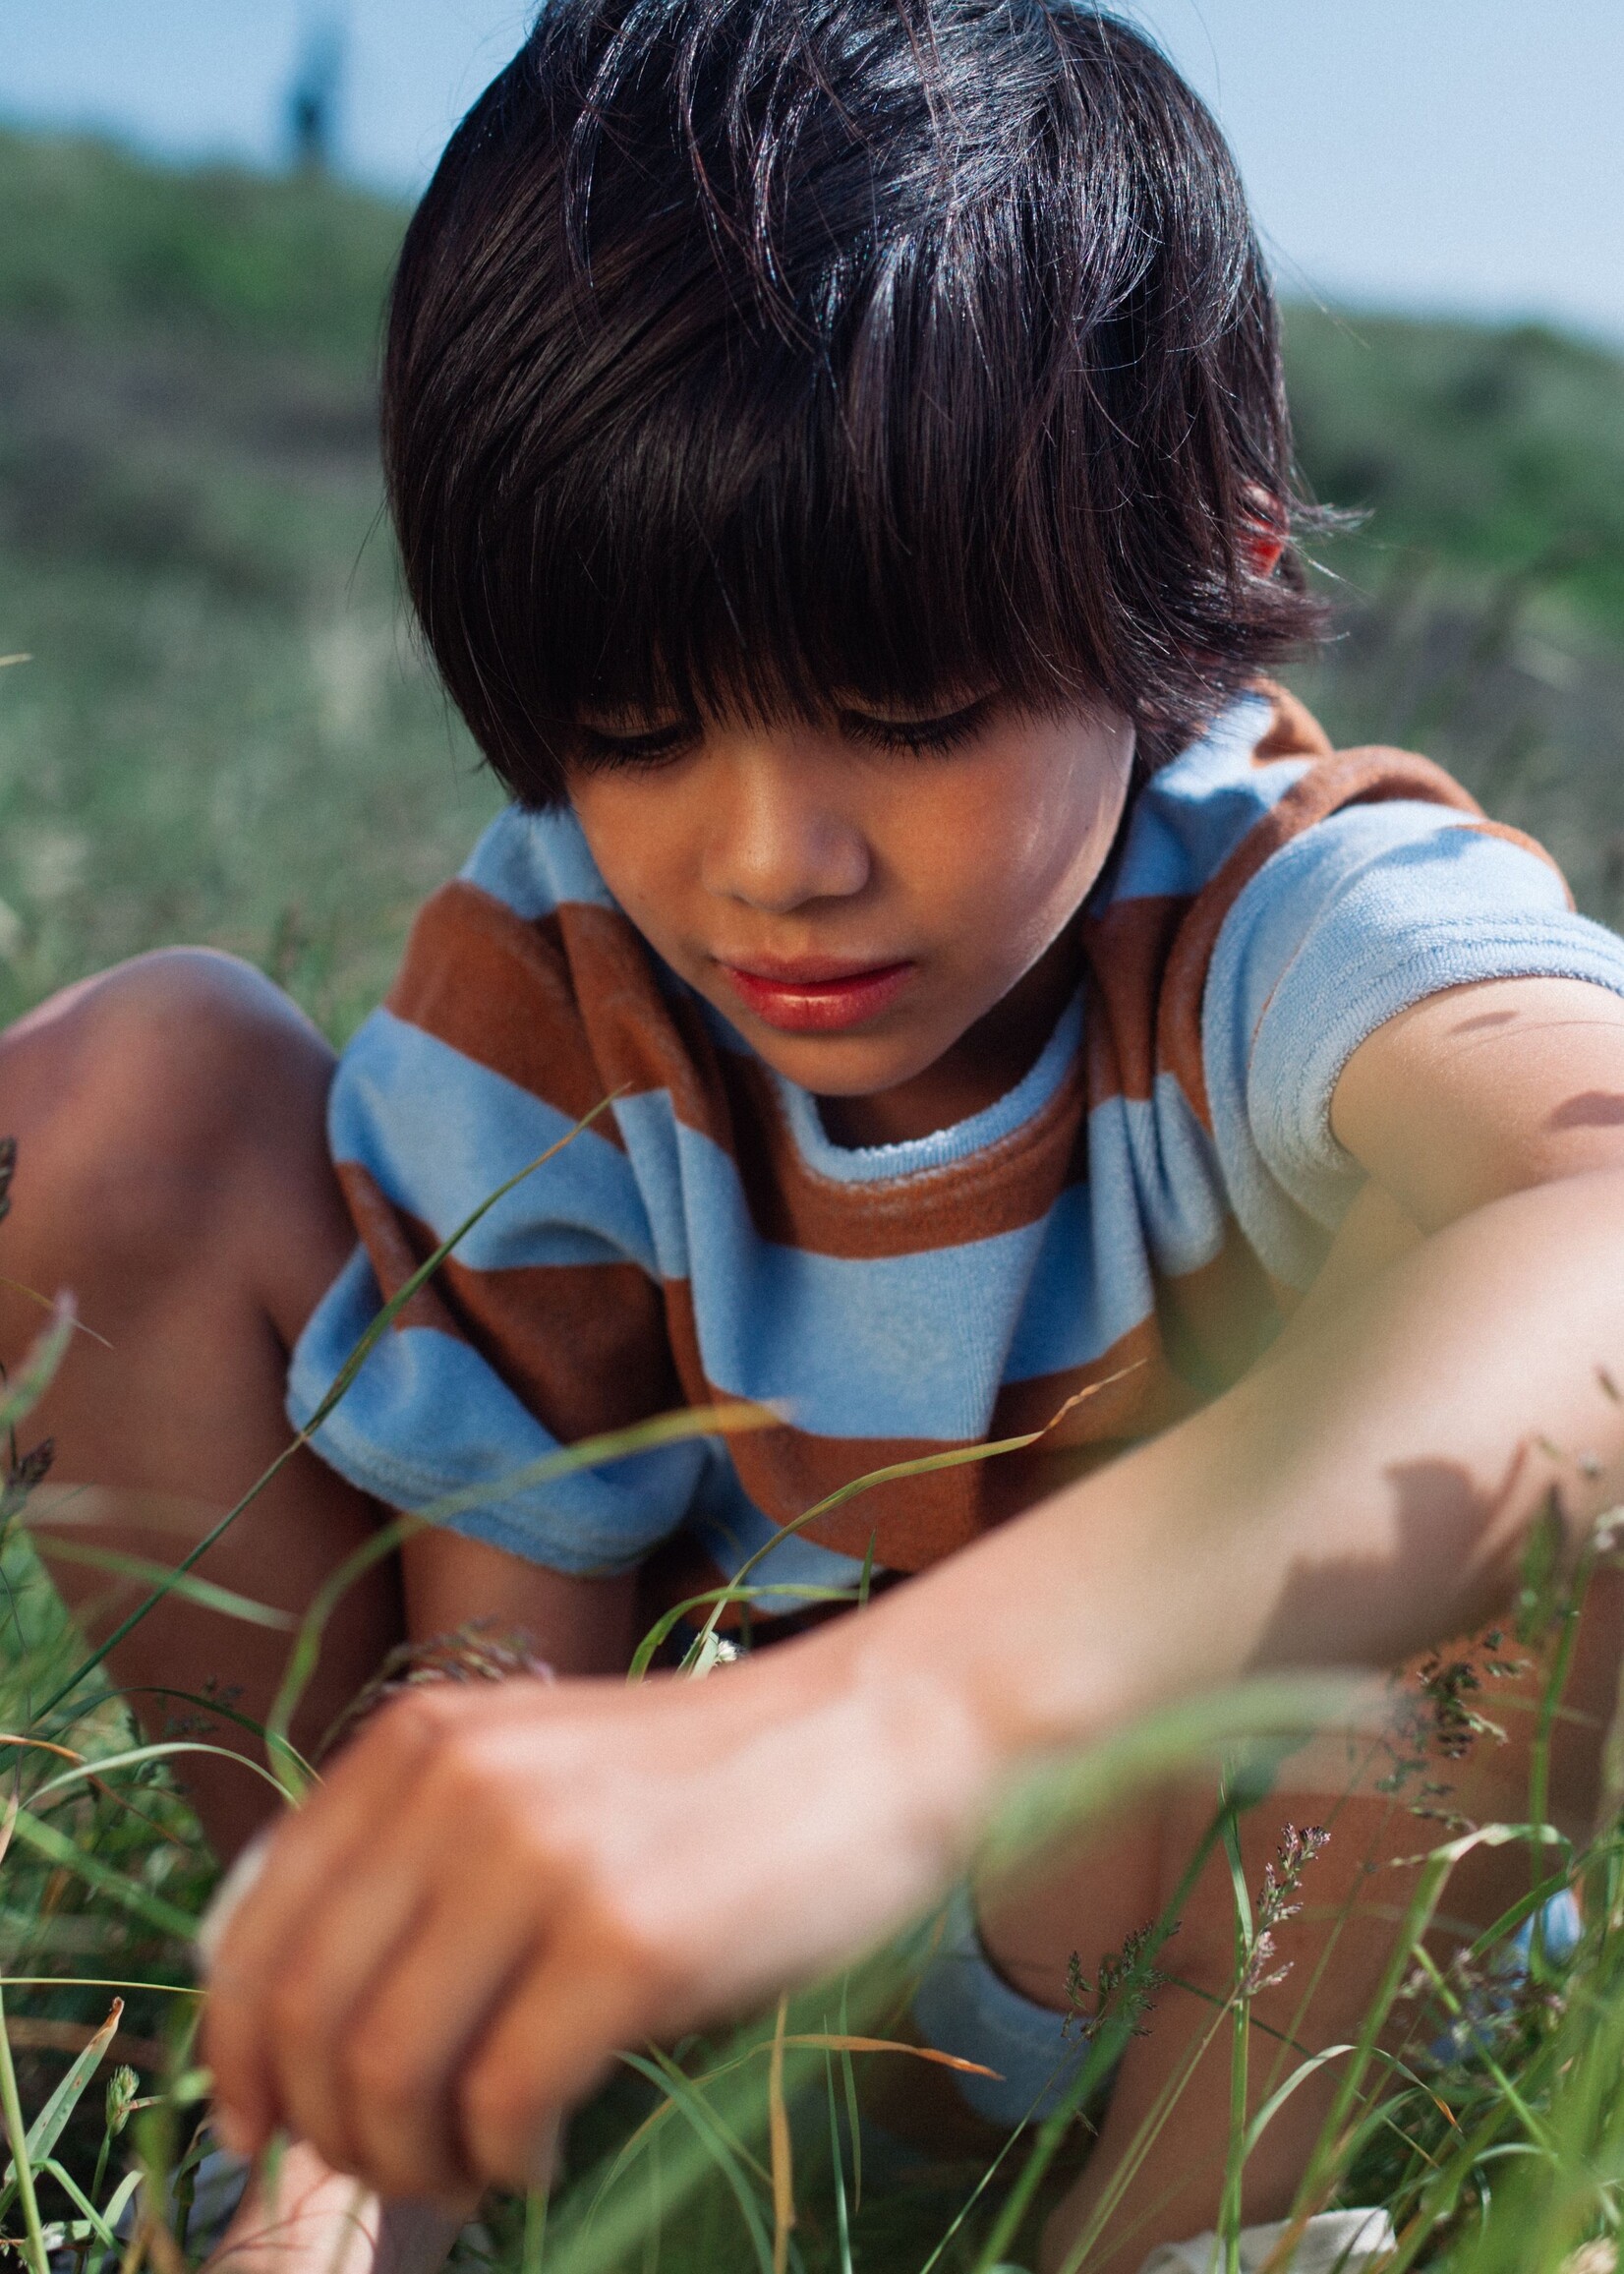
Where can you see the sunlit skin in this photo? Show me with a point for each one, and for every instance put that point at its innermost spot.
(894, 892)
(492, 1890)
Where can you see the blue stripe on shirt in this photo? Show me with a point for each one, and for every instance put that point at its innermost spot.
(1368, 913)
(440, 1133)
(1192, 815)
(534, 863)
(426, 1417)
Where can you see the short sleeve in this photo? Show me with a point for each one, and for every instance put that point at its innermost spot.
(548, 1324)
(1360, 916)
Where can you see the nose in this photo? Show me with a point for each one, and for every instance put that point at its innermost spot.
(781, 835)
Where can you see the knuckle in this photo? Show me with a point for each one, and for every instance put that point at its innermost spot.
(382, 2076)
(296, 2010)
(657, 1950)
(408, 1723)
(409, 1730)
(472, 1768)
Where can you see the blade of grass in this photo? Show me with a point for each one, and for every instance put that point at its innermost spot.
(76, 2194)
(197, 1698)
(162, 1750)
(1418, 1917)
(97, 1982)
(975, 2196)
(1067, 1791)
(202, 1592)
(671, 2081)
(49, 1303)
(11, 2108)
(598, 2227)
(670, 1620)
(1234, 2156)
(46, 1841)
(33, 1377)
(848, 2077)
(925, 1465)
(589, 1453)
(1277, 2099)
(48, 2126)
(1104, 2052)
(534, 2245)
(836, 2163)
(778, 2132)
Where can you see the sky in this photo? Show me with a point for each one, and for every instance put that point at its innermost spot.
(1463, 155)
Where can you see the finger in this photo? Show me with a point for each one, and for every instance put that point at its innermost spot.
(326, 1974)
(407, 2043)
(309, 1855)
(556, 2034)
(229, 1897)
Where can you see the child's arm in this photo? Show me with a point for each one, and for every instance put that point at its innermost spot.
(640, 1860)
(578, 1626)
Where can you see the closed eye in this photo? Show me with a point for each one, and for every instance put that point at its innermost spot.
(923, 736)
(600, 752)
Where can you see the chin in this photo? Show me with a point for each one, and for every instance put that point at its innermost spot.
(840, 1065)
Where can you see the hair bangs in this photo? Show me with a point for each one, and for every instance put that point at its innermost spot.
(802, 529)
(748, 356)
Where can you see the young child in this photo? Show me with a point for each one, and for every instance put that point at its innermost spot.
(842, 472)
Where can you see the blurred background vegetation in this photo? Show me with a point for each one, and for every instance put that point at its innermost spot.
(224, 733)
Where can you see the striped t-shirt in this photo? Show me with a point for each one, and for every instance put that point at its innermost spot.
(1135, 1212)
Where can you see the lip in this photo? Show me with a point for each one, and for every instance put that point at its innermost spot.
(817, 997)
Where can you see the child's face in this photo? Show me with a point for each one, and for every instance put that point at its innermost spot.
(855, 892)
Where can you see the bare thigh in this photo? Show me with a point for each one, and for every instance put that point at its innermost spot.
(173, 1175)
(1386, 1795)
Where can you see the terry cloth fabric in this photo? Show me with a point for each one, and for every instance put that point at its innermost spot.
(1129, 1220)
(963, 2006)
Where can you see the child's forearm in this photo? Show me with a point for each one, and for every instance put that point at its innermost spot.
(1365, 1491)
(648, 1858)
(579, 1625)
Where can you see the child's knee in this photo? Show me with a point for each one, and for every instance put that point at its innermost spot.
(151, 1103)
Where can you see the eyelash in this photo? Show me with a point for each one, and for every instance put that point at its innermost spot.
(917, 737)
(922, 737)
(643, 753)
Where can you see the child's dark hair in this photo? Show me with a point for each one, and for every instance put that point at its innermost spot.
(747, 351)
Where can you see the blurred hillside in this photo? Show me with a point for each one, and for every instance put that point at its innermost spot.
(225, 735)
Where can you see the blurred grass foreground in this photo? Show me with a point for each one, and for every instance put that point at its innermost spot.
(225, 735)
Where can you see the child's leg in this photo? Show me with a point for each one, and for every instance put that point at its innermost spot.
(172, 1172)
(1338, 1949)
(1157, 2169)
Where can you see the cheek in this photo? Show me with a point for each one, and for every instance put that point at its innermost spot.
(1038, 845)
(637, 845)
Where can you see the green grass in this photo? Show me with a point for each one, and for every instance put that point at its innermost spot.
(225, 735)
(1494, 2129)
(1489, 449)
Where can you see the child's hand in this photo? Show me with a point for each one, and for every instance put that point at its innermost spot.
(496, 1888)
